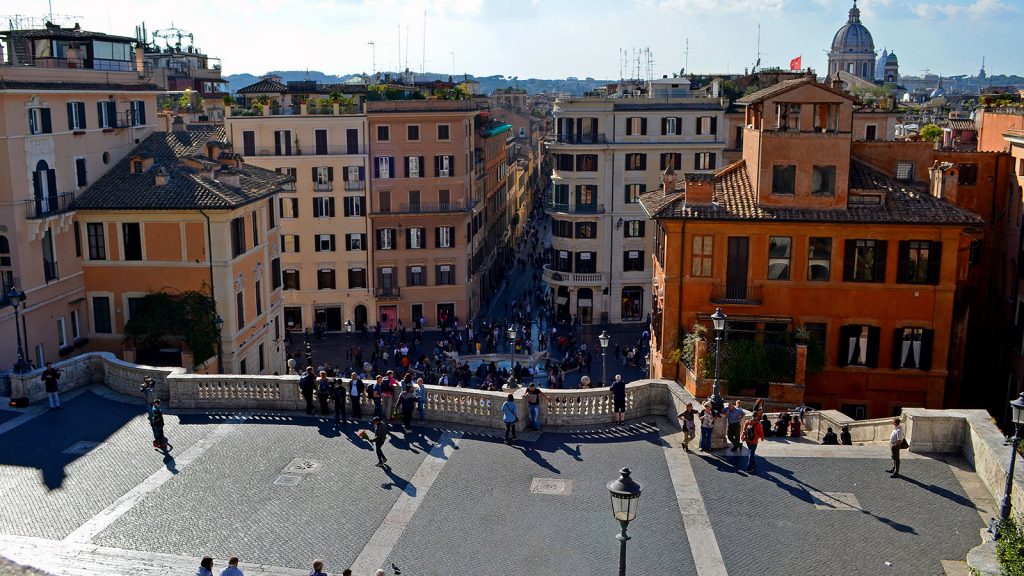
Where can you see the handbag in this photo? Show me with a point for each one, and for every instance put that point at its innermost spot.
(904, 444)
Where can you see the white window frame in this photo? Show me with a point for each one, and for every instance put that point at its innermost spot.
(445, 236)
(105, 121)
(323, 241)
(35, 120)
(445, 166)
(636, 124)
(322, 177)
(62, 332)
(416, 238)
(387, 239)
(904, 164)
(76, 332)
(670, 125)
(384, 166)
(414, 166)
(322, 204)
(355, 242)
(705, 125)
(136, 106)
(353, 173)
(704, 161)
(356, 206)
(76, 122)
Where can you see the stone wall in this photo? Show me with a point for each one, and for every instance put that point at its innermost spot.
(93, 368)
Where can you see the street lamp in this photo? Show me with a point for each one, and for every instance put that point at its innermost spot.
(625, 497)
(349, 326)
(309, 354)
(511, 351)
(218, 323)
(17, 298)
(603, 340)
(718, 319)
(1017, 417)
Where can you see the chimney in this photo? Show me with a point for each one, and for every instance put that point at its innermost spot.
(178, 124)
(213, 149)
(668, 180)
(229, 177)
(161, 176)
(140, 59)
(944, 182)
(837, 83)
(700, 188)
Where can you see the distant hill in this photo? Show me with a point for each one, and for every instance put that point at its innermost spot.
(487, 83)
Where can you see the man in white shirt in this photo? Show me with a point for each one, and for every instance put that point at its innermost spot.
(895, 445)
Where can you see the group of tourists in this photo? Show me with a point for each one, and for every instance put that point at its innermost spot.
(232, 569)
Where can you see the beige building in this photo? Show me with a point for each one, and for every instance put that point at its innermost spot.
(324, 235)
(72, 104)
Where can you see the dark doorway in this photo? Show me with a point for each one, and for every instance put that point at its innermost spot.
(360, 317)
(736, 268)
(352, 141)
(331, 317)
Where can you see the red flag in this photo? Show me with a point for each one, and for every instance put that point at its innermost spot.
(795, 63)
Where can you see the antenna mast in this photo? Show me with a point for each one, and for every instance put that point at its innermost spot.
(686, 57)
(373, 58)
(423, 64)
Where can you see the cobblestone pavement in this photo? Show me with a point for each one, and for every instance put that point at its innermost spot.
(6, 415)
(281, 489)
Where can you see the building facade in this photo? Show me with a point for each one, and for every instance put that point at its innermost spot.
(606, 153)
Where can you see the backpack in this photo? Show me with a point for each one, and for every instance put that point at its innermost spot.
(749, 432)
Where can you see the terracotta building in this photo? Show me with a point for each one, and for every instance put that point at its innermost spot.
(1010, 348)
(72, 103)
(182, 213)
(801, 233)
(491, 245)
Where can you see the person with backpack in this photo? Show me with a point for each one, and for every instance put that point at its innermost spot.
(307, 383)
(752, 434)
(323, 393)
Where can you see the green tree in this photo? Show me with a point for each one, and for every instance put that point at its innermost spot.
(164, 319)
(930, 133)
(1010, 548)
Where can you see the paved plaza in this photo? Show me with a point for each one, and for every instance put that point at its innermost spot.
(83, 492)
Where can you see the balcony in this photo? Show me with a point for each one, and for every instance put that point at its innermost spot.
(752, 294)
(387, 292)
(573, 278)
(312, 151)
(555, 207)
(355, 185)
(430, 208)
(323, 186)
(49, 205)
(580, 138)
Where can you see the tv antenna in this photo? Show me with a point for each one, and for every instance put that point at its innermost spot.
(373, 57)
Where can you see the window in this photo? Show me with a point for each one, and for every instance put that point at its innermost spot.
(823, 181)
(323, 207)
(561, 228)
(81, 180)
(912, 348)
(355, 242)
(323, 178)
(289, 207)
(291, 279)
(704, 160)
(386, 239)
(287, 186)
(386, 280)
(864, 261)
(586, 197)
(384, 201)
(248, 143)
(784, 180)
(445, 274)
(101, 315)
(132, 232)
(444, 237)
(825, 117)
(271, 215)
(858, 346)
(671, 126)
(415, 238)
(275, 274)
(259, 297)
(383, 133)
(707, 125)
(240, 309)
(633, 192)
(586, 262)
(633, 261)
(974, 252)
(412, 133)
(383, 166)
(871, 132)
(701, 256)
(819, 259)
(39, 121)
(255, 228)
(780, 251)
(632, 302)
(325, 279)
(107, 113)
(49, 258)
(817, 332)
(904, 170)
(62, 332)
(138, 113)
(968, 174)
(414, 276)
(324, 243)
(443, 132)
(563, 261)
(444, 166)
(96, 241)
(565, 162)
(75, 329)
(636, 126)
(243, 366)
(76, 115)
(673, 160)
(290, 243)
(261, 358)
(237, 236)
(787, 117)
(586, 230)
(636, 161)
(357, 278)
(413, 166)
(634, 229)
(586, 162)
(320, 141)
(919, 262)
(354, 206)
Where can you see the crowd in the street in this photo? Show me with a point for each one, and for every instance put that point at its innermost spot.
(318, 569)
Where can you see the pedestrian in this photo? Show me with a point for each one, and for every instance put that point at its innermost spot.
(830, 438)
(408, 400)
(897, 442)
(338, 393)
(707, 424)
(380, 436)
(421, 391)
(844, 437)
(752, 434)
(205, 567)
(355, 392)
(307, 383)
(232, 569)
(374, 392)
(618, 389)
(318, 568)
(533, 397)
(735, 415)
(387, 392)
(156, 421)
(689, 426)
(50, 377)
(323, 393)
(509, 416)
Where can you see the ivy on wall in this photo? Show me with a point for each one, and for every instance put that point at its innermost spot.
(162, 319)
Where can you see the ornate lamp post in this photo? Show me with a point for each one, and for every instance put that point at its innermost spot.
(218, 323)
(625, 496)
(1017, 417)
(511, 351)
(309, 354)
(17, 299)
(603, 339)
(718, 319)
(349, 327)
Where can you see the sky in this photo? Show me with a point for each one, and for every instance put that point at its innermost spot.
(560, 38)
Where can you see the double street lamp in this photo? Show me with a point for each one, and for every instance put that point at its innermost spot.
(625, 494)
(17, 299)
(718, 319)
(603, 339)
(1017, 417)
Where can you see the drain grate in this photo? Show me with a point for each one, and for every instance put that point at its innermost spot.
(553, 486)
(302, 466)
(287, 480)
(81, 447)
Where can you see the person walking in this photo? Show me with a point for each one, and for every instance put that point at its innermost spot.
(307, 383)
(380, 436)
(897, 442)
(355, 392)
(618, 389)
(374, 392)
(735, 415)
(232, 569)
(50, 377)
(509, 416)
(689, 426)
(156, 421)
(707, 424)
(752, 434)
(205, 567)
(387, 392)
(408, 400)
(339, 392)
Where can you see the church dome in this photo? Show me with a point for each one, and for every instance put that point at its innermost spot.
(853, 37)
(891, 58)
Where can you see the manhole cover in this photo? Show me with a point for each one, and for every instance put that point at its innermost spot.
(286, 480)
(556, 486)
(82, 447)
(302, 466)
(834, 500)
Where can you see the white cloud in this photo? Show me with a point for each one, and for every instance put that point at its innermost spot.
(977, 10)
(720, 6)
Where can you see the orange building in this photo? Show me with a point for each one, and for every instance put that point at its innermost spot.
(182, 213)
(801, 233)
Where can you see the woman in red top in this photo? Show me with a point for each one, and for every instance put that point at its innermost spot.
(752, 434)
